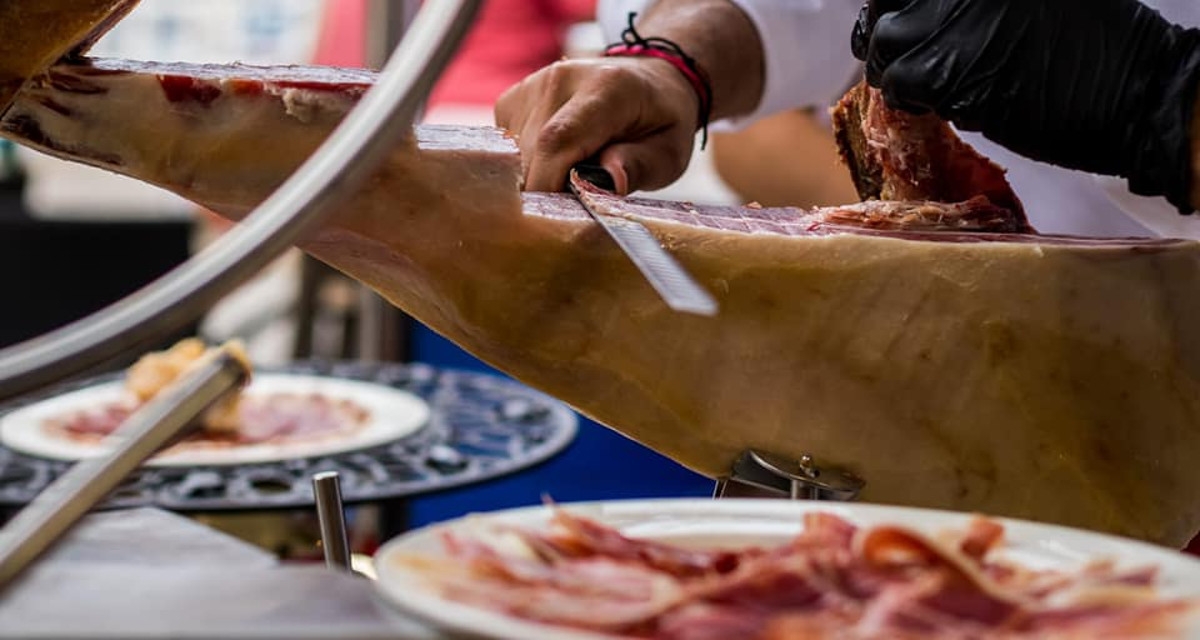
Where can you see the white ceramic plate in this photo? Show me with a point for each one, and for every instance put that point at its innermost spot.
(393, 415)
(732, 523)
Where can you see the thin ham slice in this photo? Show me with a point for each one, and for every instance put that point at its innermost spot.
(596, 594)
(895, 155)
(947, 356)
(573, 537)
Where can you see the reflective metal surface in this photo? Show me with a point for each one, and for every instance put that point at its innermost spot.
(335, 542)
(678, 289)
(369, 133)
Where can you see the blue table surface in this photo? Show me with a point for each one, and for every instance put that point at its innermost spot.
(599, 465)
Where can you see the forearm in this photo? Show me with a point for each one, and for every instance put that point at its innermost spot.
(723, 41)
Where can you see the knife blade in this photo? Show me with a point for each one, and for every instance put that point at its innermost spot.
(665, 274)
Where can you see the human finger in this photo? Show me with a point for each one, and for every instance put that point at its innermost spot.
(864, 25)
(894, 33)
(584, 125)
(651, 162)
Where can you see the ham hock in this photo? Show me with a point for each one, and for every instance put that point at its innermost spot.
(929, 341)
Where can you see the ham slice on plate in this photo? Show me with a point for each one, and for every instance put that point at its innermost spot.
(893, 155)
(941, 349)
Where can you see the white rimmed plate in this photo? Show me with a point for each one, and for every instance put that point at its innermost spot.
(733, 523)
(393, 414)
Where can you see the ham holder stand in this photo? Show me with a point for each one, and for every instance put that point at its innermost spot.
(339, 168)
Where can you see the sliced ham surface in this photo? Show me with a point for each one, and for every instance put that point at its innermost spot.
(895, 155)
(948, 356)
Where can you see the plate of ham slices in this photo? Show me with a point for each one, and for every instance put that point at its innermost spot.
(692, 569)
(279, 417)
(276, 417)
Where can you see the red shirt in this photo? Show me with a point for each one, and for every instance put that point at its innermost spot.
(343, 36)
(510, 40)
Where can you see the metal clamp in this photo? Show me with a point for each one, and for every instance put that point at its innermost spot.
(777, 476)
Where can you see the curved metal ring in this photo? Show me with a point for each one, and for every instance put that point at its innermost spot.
(339, 167)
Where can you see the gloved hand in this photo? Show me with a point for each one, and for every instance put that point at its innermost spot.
(1104, 86)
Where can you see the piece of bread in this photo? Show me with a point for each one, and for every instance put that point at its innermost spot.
(156, 371)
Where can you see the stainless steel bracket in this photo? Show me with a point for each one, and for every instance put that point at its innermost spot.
(760, 474)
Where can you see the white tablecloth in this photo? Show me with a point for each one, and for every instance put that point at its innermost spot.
(150, 574)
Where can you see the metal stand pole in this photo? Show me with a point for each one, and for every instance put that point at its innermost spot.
(335, 542)
(382, 327)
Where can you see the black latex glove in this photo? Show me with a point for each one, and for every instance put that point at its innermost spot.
(1104, 86)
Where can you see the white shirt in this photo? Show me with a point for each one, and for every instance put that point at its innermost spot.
(808, 63)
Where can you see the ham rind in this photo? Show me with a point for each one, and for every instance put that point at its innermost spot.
(949, 363)
(187, 125)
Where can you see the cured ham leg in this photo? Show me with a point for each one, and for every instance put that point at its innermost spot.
(947, 356)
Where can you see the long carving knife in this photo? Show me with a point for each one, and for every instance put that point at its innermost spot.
(673, 283)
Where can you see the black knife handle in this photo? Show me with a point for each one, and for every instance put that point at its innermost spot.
(591, 171)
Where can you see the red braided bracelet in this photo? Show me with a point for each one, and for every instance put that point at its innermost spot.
(634, 45)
